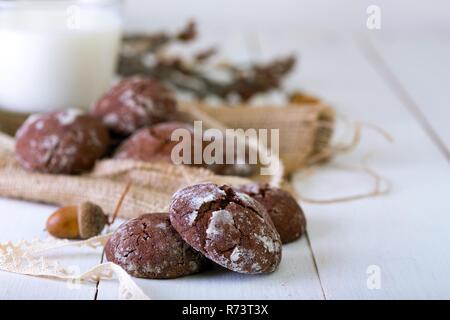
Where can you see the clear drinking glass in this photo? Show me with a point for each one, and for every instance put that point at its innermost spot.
(57, 54)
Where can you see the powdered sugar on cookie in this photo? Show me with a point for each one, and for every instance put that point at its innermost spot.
(228, 227)
(68, 116)
(217, 222)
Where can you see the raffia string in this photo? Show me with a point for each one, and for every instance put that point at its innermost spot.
(334, 150)
(377, 189)
(308, 130)
(152, 184)
(111, 175)
(378, 180)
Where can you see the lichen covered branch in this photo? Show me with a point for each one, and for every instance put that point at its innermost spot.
(146, 54)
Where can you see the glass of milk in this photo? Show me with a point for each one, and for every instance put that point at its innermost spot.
(57, 54)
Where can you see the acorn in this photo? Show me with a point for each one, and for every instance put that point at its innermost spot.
(77, 222)
(81, 221)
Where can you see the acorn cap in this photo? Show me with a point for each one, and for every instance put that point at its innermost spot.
(91, 220)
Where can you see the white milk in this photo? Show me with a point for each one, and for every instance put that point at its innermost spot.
(56, 58)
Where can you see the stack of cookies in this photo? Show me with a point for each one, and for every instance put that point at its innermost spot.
(134, 120)
(241, 229)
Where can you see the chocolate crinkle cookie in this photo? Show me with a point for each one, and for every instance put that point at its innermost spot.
(134, 103)
(153, 144)
(285, 212)
(64, 142)
(148, 247)
(228, 227)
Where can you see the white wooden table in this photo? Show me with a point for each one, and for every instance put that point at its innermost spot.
(398, 82)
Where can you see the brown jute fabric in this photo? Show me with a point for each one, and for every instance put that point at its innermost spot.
(151, 189)
(305, 132)
(305, 129)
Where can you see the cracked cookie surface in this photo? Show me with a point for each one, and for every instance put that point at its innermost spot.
(284, 210)
(148, 247)
(133, 103)
(228, 227)
(153, 144)
(63, 142)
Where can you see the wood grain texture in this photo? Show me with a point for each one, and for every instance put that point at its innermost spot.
(295, 279)
(404, 233)
(26, 221)
(420, 67)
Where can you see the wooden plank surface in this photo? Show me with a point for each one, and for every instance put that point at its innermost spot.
(26, 221)
(420, 69)
(404, 234)
(297, 277)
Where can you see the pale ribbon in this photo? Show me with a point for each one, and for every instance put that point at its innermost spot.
(27, 258)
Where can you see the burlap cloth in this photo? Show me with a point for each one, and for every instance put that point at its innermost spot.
(305, 132)
(305, 129)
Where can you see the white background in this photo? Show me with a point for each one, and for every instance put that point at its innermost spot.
(407, 16)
